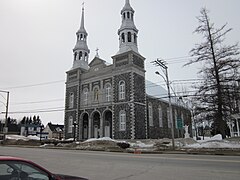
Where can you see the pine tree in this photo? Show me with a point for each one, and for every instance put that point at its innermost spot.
(220, 71)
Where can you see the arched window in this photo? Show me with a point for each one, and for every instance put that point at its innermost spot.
(150, 114)
(135, 38)
(81, 37)
(131, 15)
(70, 124)
(128, 15)
(108, 92)
(80, 55)
(96, 93)
(129, 37)
(85, 56)
(123, 37)
(85, 96)
(71, 100)
(78, 37)
(121, 90)
(75, 56)
(124, 16)
(122, 120)
(160, 116)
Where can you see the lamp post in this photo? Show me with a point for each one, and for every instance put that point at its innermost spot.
(74, 130)
(162, 63)
(6, 115)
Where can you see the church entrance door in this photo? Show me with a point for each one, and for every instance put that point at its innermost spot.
(96, 125)
(108, 124)
(85, 126)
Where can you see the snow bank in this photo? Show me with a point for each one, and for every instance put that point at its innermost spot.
(100, 139)
(18, 137)
(214, 142)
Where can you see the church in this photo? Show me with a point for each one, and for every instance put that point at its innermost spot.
(105, 100)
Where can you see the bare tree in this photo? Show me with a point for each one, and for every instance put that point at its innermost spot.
(220, 70)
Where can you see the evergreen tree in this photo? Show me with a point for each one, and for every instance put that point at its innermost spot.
(220, 71)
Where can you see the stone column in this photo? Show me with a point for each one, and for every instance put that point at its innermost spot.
(89, 128)
(101, 127)
(237, 123)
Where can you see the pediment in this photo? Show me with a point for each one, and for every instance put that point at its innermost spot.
(97, 62)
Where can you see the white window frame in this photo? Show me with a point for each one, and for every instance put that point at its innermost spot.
(122, 90)
(71, 100)
(85, 96)
(160, 118)
(122, 120)
(70, 124)
(150, 114)
(108, 92)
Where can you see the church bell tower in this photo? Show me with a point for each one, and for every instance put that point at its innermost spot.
(129, 78)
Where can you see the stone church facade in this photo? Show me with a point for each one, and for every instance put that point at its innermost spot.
(111, 100)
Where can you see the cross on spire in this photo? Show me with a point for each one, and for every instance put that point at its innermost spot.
(97, 55)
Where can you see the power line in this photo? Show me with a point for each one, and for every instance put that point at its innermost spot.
(37, 102)
(33, 85)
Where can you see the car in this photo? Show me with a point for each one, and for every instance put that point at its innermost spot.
(15, 168)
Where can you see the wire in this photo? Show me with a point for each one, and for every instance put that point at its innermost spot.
(37, 102)
(33, 85)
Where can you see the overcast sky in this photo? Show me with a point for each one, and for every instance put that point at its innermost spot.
(37, 38)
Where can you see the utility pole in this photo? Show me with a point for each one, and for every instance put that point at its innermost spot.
(162, 64)
(6, 115)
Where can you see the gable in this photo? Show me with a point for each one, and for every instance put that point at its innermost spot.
(97, 62)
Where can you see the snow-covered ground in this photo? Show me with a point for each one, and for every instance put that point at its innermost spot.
(155, 144)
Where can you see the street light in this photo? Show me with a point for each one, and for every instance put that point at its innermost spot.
(162, 63)
(6, 125)
(74, 130)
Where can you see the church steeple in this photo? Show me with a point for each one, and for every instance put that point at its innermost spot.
(81, 51)
(128, 31)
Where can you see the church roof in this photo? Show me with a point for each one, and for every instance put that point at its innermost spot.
(97, 61)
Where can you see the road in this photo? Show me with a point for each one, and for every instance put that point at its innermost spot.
(118, 166)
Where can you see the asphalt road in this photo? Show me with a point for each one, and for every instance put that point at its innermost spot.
(118, 166)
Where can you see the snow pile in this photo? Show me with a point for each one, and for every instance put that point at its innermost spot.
(214, 142)
(100, 139)
(139, 144)
(24, 138)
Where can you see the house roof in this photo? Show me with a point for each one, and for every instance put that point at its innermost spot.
(56, 127)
